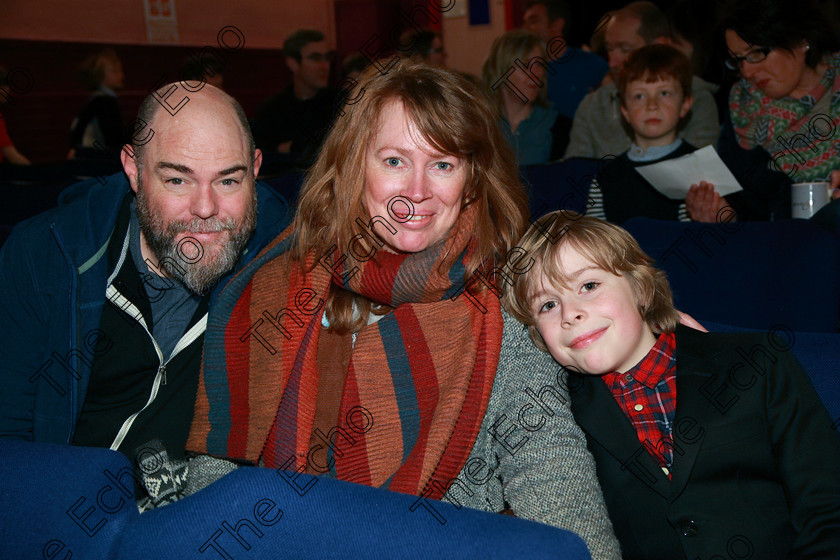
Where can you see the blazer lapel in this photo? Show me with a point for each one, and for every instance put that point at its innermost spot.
(695, 366)
(597, 412)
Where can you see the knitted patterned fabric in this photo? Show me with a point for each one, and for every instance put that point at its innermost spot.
(801, 135)
(417, 384)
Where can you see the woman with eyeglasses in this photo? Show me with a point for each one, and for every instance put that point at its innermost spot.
(785, 109)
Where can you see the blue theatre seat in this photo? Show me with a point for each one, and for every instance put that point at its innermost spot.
(750, 274)
(561, 185)
(819, 354)
(60, 499)
(288, 184)
(54, 500)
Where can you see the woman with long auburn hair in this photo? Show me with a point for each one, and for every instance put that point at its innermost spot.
(366, 342)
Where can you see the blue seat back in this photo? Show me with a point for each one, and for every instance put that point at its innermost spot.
(288, 184)
(819, 354)
(59, 499)
(751, 274)
(561, 185)
(263, 513)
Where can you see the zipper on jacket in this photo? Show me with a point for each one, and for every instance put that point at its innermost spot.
(126, 306)
(160, 377)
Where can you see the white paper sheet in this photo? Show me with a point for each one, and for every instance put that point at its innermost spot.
(674, 177)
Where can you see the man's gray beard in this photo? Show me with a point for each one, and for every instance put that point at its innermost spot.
(197, 275)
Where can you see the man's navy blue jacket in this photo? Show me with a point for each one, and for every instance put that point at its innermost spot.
(53, 275)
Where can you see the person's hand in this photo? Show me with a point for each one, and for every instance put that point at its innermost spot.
(689, 321)
(704, 203)
(834, 181)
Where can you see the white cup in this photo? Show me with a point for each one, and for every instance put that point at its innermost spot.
(807, 198)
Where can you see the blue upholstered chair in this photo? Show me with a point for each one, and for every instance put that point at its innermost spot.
(328, 518)
(750, 274)
(60, 499)
(560, 185)
(819, 354)
(288, 184)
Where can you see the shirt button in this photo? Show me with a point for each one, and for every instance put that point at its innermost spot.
(638, 407)
(628, 378)
(688, 528)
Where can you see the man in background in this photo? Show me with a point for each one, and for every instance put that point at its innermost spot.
(572, 72)
(295, 121)
(598, 128)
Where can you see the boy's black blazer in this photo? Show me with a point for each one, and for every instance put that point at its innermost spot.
(756, 470)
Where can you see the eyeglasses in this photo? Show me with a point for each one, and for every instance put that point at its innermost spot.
(753, 57)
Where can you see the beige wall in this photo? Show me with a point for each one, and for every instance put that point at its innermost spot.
(264, 23)
(466, 45)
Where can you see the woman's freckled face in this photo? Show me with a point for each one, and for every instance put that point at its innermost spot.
(399, 162)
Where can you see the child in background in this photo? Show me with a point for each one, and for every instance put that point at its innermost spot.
(655, 91)
(705, 443)
(98, 126)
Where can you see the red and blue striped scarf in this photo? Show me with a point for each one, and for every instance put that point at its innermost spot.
(417, 384)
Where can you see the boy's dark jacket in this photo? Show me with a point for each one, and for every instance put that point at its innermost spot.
(756, 470)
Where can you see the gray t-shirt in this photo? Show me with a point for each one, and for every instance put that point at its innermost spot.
(173, 305)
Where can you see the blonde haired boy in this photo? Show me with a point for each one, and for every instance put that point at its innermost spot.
(706, 444)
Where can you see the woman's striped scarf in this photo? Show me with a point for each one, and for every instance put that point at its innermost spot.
(802, 140)
(418, 380)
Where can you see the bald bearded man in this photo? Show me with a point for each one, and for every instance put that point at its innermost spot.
(104, 299)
